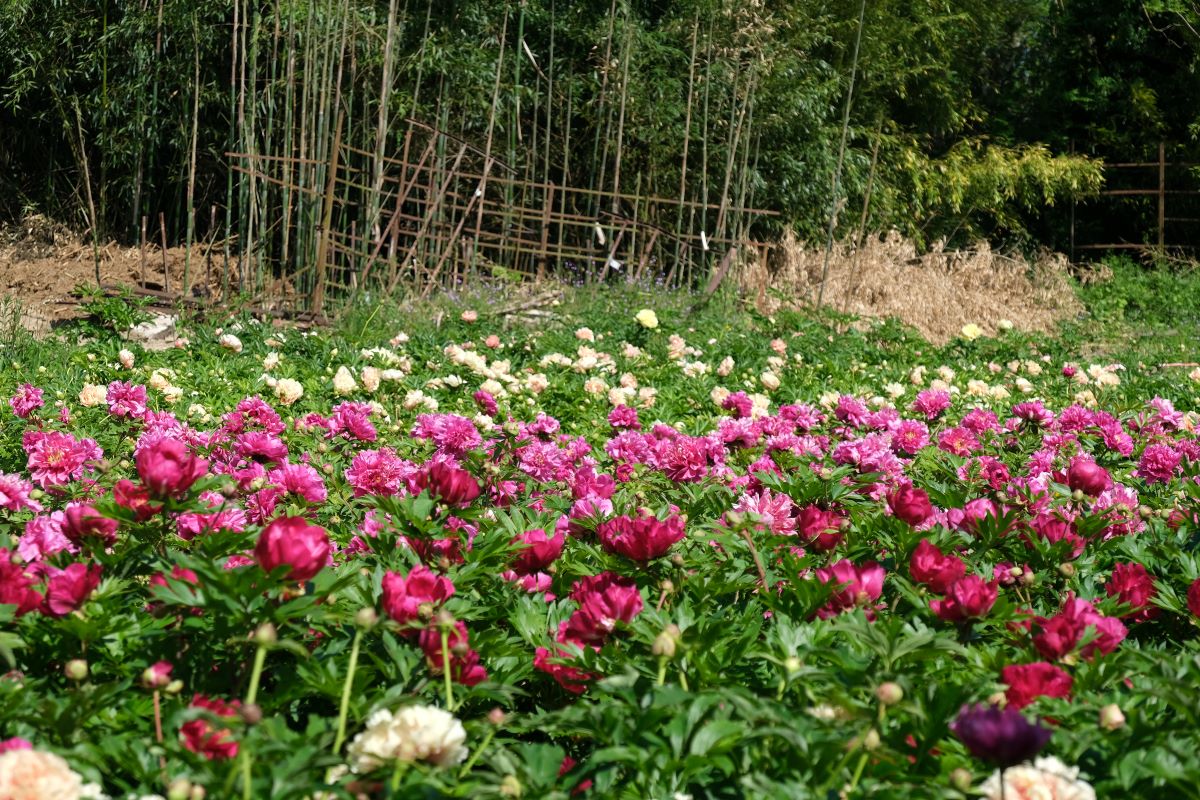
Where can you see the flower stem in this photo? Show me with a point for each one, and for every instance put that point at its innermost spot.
(662, 670)
(466, 768)
(446, 669)
(758, 564)
(260, 658)
(346, 687)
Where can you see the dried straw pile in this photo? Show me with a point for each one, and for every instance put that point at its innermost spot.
(937, 292)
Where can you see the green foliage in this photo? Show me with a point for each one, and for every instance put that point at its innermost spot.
(117, 313)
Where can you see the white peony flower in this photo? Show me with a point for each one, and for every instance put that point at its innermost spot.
(93, 394)
(413, 733)
(271, 361)
(34, 775)
(343, 381)
(288, 390)
(1045, 779)
(126, 358)
(371, 376)
(647, 318)
(770, 381)
(230, 342)
(725, 367)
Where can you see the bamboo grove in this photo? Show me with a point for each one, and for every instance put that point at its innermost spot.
(120, 116)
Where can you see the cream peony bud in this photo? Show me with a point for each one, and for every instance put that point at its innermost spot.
(647, 318)
(230, 342)
(343, 381)
(1111, 717)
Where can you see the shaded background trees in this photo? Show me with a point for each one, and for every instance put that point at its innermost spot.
(970, 118)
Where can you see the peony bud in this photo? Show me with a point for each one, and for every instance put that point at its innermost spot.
(266, 634)
(666, 643)
(1111, 717)
(510, 786)
(180, 789)
(1066, 569)
(497, 716)
(157, 676)
(871, 740)
(962, 779)
(174, 687)
(251, 713)
(76, 669)
(792, 664)
(889, 693)
(366, 618)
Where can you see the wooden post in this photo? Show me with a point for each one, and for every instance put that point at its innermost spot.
(143, 251)
(1162, 194)
(162, 227)
(547, 204)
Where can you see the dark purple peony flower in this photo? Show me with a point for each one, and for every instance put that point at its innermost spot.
(1000, 735)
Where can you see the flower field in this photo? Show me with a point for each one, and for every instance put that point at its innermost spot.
(636, 554)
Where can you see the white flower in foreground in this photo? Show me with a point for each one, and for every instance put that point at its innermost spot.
(343, 381)
(770, 381)
(1046, 779)
(647, 318)
(126, 358)
(585, 334)
(725, 367)
(414, 733)
(271, 361)
(288, 390)
(230, 342)
(34, 775)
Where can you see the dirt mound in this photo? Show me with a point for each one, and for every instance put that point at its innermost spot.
(937, 292)
(41, 263)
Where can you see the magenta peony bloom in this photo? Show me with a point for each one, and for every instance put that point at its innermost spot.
(970, 597)
(199, 735)
(464, 662)
(604, 600)
(930, 566)
(1158, 463)
(624, 418)
(70, 588)
(1028, 682)
(82, 521)
(293, 542)
(1135, 588)
(538, 550)
(126, 400)
(1085, 475)
(452, 485)
(910, 504)
(643, 538)
(853, 586)
(168, 468)
(403, 595)
(16, 586)
(27, 400)
(14, 493)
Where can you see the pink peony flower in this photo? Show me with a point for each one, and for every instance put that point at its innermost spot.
(537, 551)
(126, 400)
(933, 568)
(27, 400)
(403, 595)
(68, 589)
(910, 505)
(1158, 463)
(16, 586)
(199, 736)
(56, 458)
(643, 538)
(1132, 584)
(970, 597)
(853, 586)
(1085, 475)
(82, 521)
(168, 468)
(14, 493)
(451, 485)
(1027, 682)
(295, 543)
(464, 662)
(379, 472)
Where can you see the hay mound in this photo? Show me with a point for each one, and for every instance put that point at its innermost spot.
(937, 292)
